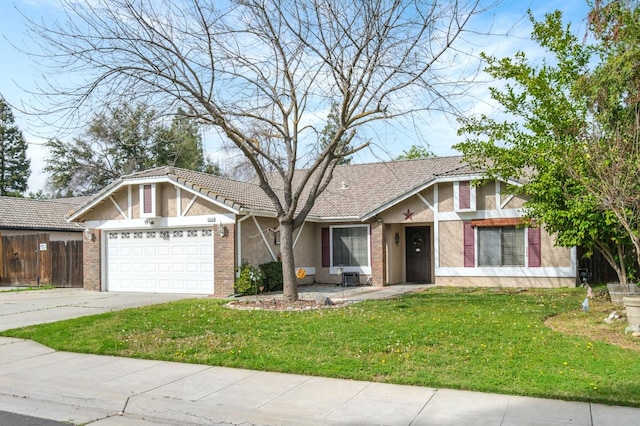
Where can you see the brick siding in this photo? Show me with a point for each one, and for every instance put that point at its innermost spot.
(224, 262)
(378, 255)
(92, 275)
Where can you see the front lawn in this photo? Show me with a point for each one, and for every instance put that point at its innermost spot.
(486, 340)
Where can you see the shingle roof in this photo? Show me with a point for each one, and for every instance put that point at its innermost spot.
(38, 215)
(355, 191)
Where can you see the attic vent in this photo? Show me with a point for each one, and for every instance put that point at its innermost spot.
(343, 185)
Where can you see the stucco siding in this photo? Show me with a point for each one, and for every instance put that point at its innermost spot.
(450, 242)
(252, 245)
(552, 255)
(445, 197)
(486, 196)
(414, 207)
(395, 254)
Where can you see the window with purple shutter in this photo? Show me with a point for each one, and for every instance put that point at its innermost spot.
(469, 245)
(535, 259)
(464, 195)
(147, 197)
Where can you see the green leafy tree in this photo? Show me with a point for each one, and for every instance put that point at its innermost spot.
(545, 140)
(124, 140)
(415, 152)
(611, 172)
(14, 164)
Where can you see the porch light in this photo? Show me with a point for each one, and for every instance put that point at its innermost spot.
(88, 234)
(222, 231)
(397, 238)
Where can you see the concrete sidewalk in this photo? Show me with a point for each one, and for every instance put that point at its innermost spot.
(103, 390)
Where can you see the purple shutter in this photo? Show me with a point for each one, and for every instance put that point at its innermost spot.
(147, 199)
(464, 195)
(326, 252)
(535, 259)
(469, 245)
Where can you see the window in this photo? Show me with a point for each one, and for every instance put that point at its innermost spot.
(148, 200)
(464, 195)
(350, 247)
(501, 246)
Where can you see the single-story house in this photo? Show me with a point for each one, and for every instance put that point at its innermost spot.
(423, 221)
(37, 244)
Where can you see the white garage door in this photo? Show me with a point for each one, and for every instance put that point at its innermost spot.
(162, 261)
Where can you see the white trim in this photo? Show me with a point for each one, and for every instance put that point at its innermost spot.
(239, 242)
(124, 215)
(436, 233)
(186, 209)
(130, 201)
(476, 250)
(103, 261)
(507, 201)
(425, 201)
(458, 178)
(333, 269)
(545, 272)
(178, 201)
(456, 197)
(264, 238)
(480, 214)
(162, 222)
(399, 199)
(298, 236)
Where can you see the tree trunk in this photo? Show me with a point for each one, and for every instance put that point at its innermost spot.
(618, 266)
(289, 281)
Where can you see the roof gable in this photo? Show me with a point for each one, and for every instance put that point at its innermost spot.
(356, 192)
(230, 194)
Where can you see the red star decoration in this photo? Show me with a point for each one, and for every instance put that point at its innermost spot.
(408, 215)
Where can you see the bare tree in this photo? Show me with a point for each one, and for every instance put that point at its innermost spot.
(241, 65)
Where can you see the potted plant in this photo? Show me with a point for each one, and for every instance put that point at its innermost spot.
(632, 307)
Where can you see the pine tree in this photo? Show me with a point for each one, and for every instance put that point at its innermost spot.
(14, 164)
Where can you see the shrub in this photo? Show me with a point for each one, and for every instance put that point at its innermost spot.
(249, 280)
(272, 272)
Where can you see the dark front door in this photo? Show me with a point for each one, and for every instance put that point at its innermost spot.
(418, 249)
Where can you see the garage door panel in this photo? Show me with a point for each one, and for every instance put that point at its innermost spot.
(170, 261)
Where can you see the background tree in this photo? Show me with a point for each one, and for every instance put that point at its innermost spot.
(120, 141)
(14, 164)
(415, 152)
(329, 132)
(180, 145)
(242, 65)
(546, 139)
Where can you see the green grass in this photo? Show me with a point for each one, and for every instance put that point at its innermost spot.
(477, 339)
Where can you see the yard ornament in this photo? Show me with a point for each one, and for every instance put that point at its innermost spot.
(585, 304)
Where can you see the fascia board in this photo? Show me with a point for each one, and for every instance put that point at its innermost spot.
(398, 200)
(95, 201)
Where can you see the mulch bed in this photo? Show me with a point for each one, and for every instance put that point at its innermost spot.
(281, 305)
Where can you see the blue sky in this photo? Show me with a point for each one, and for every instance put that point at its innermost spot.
(18, 75)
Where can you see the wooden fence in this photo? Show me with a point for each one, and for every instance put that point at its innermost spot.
(32, 259)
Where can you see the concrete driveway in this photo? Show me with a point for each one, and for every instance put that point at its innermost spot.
(23, 308)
